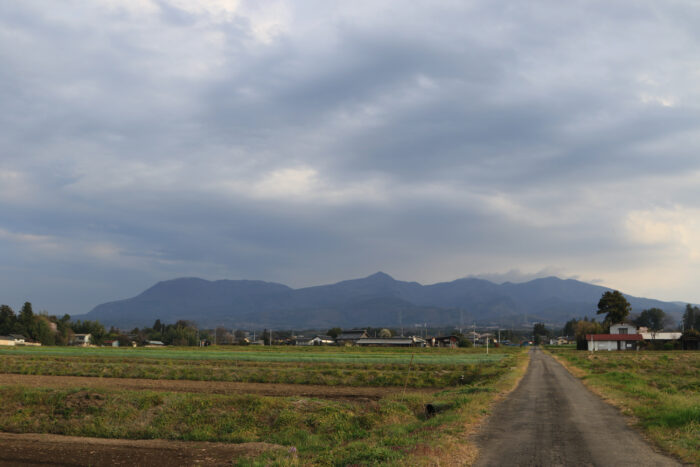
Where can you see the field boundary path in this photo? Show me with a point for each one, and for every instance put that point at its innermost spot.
(44, 449)
(552, 419)
(349, 393)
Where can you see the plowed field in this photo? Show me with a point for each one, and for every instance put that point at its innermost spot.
(209, 387)
(42, 449)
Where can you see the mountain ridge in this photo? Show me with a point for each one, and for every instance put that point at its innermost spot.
(375, 300)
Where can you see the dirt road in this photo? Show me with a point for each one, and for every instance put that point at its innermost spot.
(552, 419)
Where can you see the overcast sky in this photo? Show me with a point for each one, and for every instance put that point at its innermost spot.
(308, 142)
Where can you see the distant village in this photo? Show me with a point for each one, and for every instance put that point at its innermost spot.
(618, 331)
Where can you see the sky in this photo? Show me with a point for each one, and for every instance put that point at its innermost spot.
(307, 142)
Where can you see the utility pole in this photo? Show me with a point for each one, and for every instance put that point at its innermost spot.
(474, 334)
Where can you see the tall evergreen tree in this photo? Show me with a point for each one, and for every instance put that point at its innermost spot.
(8, 319)
(25, 321)
(691, 317)
(652, 318)
(614, 306)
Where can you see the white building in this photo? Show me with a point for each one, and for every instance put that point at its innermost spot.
(82, 339)
(622, 337)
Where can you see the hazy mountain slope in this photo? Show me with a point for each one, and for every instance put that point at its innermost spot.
(191, 299)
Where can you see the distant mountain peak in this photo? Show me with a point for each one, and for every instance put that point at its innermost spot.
(380, 276)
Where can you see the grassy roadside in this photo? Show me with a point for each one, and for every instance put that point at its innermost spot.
(459, 449)
(659, 390)
(392, 431)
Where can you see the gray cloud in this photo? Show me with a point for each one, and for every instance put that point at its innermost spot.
(304, 143)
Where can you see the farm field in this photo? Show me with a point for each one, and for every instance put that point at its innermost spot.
(320, 406)
(661, 390)
(329, 366)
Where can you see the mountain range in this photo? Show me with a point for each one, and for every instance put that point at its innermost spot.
(376, 300)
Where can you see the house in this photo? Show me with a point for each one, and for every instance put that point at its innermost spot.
(473, 336)
(412, 341)
(322, 340)
(19, 339)
(561, 340)
(450, 342)
(110, 343)
(351, 337)
(316, 340)
(82, 339)
(623, 328)
(622, 336)
(7, 340)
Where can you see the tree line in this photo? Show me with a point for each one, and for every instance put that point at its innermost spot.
(52, 330)
(41, 327)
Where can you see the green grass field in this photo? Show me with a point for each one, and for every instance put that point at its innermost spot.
(393, 430)
(325, 366)
(660, 389)
(274, 354)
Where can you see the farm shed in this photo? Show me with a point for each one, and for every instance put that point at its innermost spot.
(351, 337)
(661, 336)
(19, 339)
(613, 341)
(7, 340)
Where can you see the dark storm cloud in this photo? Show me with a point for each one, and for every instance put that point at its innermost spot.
(304, 142)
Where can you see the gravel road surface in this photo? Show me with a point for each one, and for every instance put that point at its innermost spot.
(551, 419)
